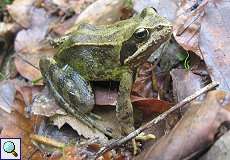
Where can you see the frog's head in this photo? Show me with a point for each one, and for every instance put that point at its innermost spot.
(151, 31)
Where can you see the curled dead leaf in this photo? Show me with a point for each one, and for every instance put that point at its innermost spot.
(7, 95)
(30, 45)
(102, 12)
(22, 17)
(187, 25)
(166, 8)
(214, 42)
(150, 105)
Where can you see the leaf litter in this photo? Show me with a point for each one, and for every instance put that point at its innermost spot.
(194, 30)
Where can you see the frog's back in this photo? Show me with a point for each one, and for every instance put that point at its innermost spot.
(92, 62)
(94, 51)
(104, 34)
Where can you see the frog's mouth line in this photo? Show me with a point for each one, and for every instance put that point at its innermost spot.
(141, 54)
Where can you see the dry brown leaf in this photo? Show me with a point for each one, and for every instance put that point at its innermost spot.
(80, 153)
(30, 45)
(45, 105)
(77, 6)
(71, 153)
(82, 129)
(19, 11)
(214, 41)
(26, 70)
(7, 33)
(17, 126)
(28, 92)
(15, 123)
(150, 105)
(143, 85)
(185, 83)
(105, 96)
(220, 149)
(7, 95)
(102, 12)
(27, 40)
(187, 25)
(195, 131)
(166, 8)
(62, 28)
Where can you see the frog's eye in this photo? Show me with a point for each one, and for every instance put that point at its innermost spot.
(141, 33)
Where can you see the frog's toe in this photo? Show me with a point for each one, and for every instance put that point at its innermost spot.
(145, 137)
(141, 137)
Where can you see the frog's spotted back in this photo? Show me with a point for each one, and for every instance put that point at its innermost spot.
(99, 52)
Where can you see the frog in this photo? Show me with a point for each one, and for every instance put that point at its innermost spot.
(111, 52)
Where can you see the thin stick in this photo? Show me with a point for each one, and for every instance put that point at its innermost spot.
(46, 141)
(133, 134)
(26, 61)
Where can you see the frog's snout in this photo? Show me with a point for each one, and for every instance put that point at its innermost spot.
(170, 27)
(166, 31)
(167, 26)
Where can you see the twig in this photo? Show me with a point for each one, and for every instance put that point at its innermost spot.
(47, 141)
(133, 134)
(26, 61)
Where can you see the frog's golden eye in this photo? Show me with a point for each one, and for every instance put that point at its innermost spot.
(141, 33)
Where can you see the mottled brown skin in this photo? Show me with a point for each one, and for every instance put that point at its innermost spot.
(104, 53)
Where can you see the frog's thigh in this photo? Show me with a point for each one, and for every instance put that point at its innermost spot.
(70, 85)
(124, 109)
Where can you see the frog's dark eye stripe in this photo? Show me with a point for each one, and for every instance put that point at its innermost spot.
(141, 33)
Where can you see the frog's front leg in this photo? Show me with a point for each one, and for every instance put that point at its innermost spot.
(124, 109)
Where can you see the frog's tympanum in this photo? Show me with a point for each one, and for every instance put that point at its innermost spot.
(103, 53)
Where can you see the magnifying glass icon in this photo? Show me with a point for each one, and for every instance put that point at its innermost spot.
(9, 147)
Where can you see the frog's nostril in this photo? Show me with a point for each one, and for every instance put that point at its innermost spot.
(160, 27)
(154, 9)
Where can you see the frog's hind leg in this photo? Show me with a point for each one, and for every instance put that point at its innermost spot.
(70, 91)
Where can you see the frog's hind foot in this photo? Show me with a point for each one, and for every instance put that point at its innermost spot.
(145, 137)
(75, 112)
(136, 144)
(70, 91)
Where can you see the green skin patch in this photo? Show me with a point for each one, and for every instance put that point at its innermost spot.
(104, 53)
